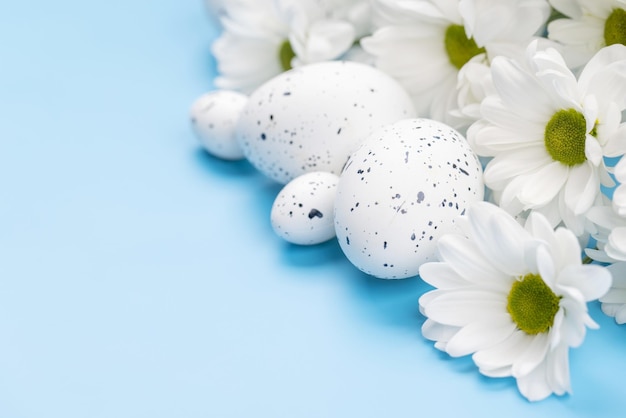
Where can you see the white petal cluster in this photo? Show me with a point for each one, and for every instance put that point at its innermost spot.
(468, 313)
(413, 44)
(609, 220)
(262, 38)
(614, 302)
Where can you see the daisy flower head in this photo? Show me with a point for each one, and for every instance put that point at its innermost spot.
(514, 297)
(548, 132)
(263, 38)
(425, 43)
(587, 26)
(614, 302)
(608, 217)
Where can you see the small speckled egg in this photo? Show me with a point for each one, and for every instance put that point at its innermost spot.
(302, 212)
(400, 191)
(213, 118)
(312, 117)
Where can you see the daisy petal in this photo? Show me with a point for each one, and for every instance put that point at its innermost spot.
(435, 331)
(500, 114)
(605, 74)
(500, 237)
(467, 260)
(620, 315)
(557, 367)
(618, 270)
(616, 246)
(520, 91)
(593, 150)
(504, 353)
(615, 145)
(573, 328)
(581, 188)
(459, 308)
(327, 39)
(544, 185)
(568, 248)
(545, 265)
(531, 357)
(441, 276)
(510, 164)
(480, 334)
(534, 386)
(615, 296)
(593, 281)
(539, 226)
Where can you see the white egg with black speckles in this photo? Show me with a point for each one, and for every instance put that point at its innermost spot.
(401, 191)
(312, 117)
(302, 212)
(214, 116)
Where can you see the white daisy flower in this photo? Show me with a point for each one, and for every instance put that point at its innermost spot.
(608, 217)
(588, 26)
(548, 132)
(614, 302)
(262, 38)
(424, 44)
(513, 297)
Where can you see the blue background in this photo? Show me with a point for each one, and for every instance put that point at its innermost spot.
(140, 277)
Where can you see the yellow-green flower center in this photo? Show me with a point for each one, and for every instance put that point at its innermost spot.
(459, 47)
(285, 55)
(615, 28)
(532, 304)
(565, 137)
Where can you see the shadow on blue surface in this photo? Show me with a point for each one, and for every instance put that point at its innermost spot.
(313, 255)
(216, 167)
(390, 303)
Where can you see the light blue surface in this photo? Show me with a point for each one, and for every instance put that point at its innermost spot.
(140, 277)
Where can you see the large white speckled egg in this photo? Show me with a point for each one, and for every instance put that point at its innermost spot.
(400, 191)
(312, 117)
(214, 116)
(302, 212)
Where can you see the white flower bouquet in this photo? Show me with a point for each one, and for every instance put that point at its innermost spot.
(536, 89)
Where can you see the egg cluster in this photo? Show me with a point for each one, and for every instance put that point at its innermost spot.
(356, 163)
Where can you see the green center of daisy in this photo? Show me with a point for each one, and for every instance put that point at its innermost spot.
(565, 137)
(286, 54)
(459, 47)
(615, 28)
(532, 304)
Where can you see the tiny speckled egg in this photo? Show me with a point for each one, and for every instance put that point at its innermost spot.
(213, 118)
(312, 117)
(400, 191)
(302, 212)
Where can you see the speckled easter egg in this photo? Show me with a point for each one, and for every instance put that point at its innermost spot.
(214, 116)
(303, 210)
(312, 117)
(400, 191)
